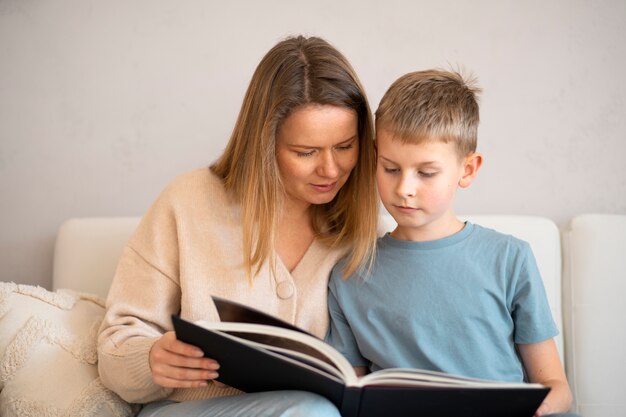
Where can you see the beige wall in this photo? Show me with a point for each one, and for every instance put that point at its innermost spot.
(103, 102)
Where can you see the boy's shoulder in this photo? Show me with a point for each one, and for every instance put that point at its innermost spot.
(490, 233)
(492, 237)
(472, 233)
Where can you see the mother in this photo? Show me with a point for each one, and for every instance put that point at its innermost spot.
(264, 225)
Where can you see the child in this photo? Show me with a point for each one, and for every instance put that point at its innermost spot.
(442, 294)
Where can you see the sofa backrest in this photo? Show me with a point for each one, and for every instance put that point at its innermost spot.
(87, 251)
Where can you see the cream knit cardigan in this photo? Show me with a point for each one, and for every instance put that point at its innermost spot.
(188, 247)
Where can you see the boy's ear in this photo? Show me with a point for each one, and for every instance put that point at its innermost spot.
(471, 165)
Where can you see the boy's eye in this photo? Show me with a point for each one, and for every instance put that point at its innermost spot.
(427, 174)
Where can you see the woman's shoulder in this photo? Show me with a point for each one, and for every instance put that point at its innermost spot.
(198, 189)
(194, 197)
(197, 183)
(199, 177)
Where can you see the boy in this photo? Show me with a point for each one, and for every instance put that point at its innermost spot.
(442, 294)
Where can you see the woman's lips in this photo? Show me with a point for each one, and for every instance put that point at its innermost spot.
(324, 188)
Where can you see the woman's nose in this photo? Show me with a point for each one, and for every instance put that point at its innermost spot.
(328, 165)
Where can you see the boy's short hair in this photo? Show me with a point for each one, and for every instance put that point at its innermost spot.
(431, 105)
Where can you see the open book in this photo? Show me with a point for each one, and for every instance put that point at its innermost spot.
(258, 352)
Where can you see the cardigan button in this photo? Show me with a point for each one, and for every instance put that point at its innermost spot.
(284, 290)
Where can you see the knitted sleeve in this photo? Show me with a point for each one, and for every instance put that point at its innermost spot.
(144, 294)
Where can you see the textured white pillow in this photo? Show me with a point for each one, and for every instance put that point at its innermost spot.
(48, 359)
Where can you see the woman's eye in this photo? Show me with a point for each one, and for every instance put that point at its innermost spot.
(304, 154)
(427, 174)
(392, 170)
(345, 147)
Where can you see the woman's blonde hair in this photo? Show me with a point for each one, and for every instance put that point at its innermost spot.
(295, 72)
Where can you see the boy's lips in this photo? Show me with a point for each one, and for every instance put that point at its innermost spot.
(406, 209)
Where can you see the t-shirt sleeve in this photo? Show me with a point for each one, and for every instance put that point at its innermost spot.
(530, 308)
(340, 335)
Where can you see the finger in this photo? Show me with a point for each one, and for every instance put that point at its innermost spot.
(167, 375)
(171, 351)
(188, 374)
(185, 350)
(175, 364)
(169, 342)
(168, 382)
(182, 367)
(542, 410)
(177, 360)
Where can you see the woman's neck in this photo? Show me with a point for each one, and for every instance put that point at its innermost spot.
(295, 234)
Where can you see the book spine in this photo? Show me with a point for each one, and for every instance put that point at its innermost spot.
(350, 402)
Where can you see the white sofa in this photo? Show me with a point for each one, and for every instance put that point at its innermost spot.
(583, 267)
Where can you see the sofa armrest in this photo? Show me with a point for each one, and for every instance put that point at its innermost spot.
(594, 284)
(87, 250)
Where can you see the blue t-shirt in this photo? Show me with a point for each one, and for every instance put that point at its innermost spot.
(458, 305)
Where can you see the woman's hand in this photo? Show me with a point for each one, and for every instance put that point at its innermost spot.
(175, 364)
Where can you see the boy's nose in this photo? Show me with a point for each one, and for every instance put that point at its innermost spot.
(406, 187)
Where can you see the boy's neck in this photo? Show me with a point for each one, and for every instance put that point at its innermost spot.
(440, 229)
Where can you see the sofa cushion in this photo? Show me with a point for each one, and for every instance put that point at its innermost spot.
(48, 359)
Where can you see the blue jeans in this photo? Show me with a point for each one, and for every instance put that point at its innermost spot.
(260, 404)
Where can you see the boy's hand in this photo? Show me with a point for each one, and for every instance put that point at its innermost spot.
(543, 409)
(361, 370)
(175, 364)
(543, 365)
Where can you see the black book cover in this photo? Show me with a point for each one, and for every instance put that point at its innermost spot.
(253, 369)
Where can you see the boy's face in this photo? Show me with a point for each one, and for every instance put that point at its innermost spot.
(417, 185)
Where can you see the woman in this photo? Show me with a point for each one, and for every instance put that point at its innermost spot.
(292, 193)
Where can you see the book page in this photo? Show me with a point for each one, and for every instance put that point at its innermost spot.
(329, 369)
(418, 377)
(287, 339)
(283, 343)
(232, 311)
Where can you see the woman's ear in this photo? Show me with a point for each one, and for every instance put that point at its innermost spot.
(471, 165)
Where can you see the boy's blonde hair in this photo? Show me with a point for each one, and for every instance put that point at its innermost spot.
(299, 71)
(431, 105)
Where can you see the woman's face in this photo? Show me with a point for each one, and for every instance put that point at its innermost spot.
(317, 147)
